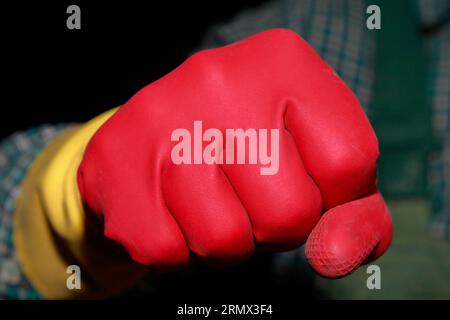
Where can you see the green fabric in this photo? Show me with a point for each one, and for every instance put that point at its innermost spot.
(401, 117)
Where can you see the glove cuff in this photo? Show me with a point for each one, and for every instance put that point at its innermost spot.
(51, 227)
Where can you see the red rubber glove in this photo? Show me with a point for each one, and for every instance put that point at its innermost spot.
(160, 211)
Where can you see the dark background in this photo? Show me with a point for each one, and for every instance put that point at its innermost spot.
(51, 74)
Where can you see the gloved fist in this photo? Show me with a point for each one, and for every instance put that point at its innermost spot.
(241, 147)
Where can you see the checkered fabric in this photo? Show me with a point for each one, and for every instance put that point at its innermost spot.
(336, 29)
(438, 46)
(432, 11)
(16, 154)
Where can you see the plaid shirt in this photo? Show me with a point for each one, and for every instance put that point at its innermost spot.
(17, 153)
(439, 99)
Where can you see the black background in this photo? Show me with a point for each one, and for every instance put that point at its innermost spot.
(51, 74)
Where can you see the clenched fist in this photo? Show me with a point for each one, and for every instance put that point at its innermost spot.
(258, 144)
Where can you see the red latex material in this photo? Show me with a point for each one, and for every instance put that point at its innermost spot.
(328, 151)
